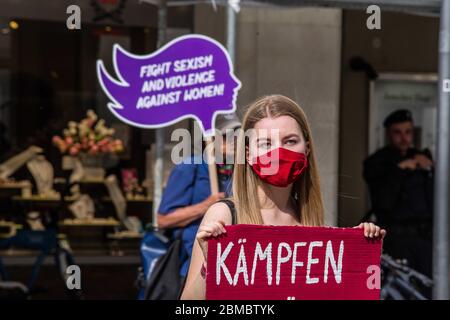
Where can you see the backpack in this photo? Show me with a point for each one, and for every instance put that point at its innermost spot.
(164, 279)
(162, 252)
(162, 258)
(154, 245)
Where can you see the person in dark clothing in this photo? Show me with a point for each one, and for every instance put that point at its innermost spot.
(400, 180)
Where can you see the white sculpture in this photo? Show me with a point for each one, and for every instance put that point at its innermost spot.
(42, 172)
(11, 165)
(132, 224)
(83, 208)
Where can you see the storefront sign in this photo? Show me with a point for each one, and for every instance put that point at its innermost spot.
(286, 263)
(192, 76)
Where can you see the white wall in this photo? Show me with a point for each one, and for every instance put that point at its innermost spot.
(295, 52)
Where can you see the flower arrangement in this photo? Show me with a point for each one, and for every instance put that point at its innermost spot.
(89, 136)
(130, 182)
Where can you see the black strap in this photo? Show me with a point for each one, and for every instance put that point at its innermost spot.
(232, 208)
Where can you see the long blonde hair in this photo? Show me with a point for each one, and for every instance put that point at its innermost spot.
(306, 190)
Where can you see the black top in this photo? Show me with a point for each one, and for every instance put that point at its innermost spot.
(398, 196)
(232, 208)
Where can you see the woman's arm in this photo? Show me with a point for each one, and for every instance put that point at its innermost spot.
(195, 287)
(212, 225)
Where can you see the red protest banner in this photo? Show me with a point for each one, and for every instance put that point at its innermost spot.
(302, 263)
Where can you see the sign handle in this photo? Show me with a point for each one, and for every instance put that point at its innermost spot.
(212, 168)
(158, 168)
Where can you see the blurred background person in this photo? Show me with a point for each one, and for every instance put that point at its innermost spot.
(400, 180)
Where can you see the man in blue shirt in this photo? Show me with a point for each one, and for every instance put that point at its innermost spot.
(187, 195)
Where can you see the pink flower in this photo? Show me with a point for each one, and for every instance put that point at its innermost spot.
(84, 143)
(56, 139)
(94, 149)
(103, 142)
(73, 151)
(60, 144)
(69, 140)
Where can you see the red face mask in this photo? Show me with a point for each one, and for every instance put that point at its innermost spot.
(280, 167)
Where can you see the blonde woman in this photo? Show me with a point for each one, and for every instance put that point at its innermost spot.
(275, 182)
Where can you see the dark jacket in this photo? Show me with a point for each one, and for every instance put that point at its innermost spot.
(398, 196)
